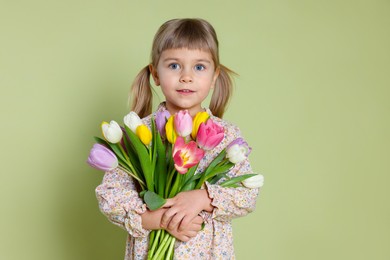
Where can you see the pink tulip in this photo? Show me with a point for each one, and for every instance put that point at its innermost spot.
(210, 134)
(183, 123)
(186, 155)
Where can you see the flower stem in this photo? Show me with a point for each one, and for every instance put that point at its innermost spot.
(134, 176)
(123, 152)
(170, 249)
(155, 240)
(168, 184)
(160, 251)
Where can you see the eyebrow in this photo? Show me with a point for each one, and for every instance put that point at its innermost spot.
(176, 59)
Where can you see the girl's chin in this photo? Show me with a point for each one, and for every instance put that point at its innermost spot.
(191, 109)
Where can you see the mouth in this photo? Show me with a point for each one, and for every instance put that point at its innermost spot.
(185, 91)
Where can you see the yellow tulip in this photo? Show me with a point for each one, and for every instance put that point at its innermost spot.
(200, 117)
(144, 134)
(170, 130)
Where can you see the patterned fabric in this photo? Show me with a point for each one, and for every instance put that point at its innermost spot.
(119, 201)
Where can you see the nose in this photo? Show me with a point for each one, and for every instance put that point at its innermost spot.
(186, 77)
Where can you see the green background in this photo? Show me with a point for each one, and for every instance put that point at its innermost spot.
(312, 99)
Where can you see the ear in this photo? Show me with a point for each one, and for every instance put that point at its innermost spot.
(154, 74)
(216, 74)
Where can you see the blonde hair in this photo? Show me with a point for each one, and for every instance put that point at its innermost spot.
(176, 34)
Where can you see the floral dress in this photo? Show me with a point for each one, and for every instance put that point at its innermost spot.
(119, 201)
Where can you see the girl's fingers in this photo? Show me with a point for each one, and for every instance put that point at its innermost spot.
(191, 234)
(185, 223)
(175, 221)
(198, 220)
(169, 203)
(184, 238)
(166, 218)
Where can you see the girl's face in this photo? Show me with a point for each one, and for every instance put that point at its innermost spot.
(186, 77)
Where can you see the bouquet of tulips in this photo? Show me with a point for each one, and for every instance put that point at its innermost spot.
(163, 160)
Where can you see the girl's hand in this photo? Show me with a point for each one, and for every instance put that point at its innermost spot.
(189, 232)
(151, 219)
(183, 208)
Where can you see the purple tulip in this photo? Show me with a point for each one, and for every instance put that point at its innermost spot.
(210, 134)
(161, 120)
(238, 150)
(102, 158)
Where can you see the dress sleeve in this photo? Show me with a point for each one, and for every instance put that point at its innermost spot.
(231, 203)
(119, 202)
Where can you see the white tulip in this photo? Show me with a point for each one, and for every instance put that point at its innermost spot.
(132, 120)
(238, 150)
(253, 182)
(112, 132)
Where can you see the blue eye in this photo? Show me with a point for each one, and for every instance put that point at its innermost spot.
(174, 66)
(200, 67)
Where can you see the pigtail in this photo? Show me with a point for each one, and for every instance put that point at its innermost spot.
(141, 93)
(223, 91)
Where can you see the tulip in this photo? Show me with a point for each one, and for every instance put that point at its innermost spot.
(253, 182)
(183, 123)
(112, 132)
(102, 158)
(170, 130)
(200, 117)
(161, 120)
(144, 134)
(132, 120)
(210, 134)
(186, 155)
(238, 150)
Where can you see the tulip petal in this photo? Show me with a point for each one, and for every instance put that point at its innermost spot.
(144, 134)
(186, 155)
(112, 131)
(210, 134)
(102, 158)
(170, 130)
(183, 123)
(200, 117)
(253, 182)
(133, 121)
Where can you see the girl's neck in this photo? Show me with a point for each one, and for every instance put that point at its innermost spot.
(173, 110)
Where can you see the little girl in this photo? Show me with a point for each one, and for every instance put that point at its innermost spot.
(185, 64)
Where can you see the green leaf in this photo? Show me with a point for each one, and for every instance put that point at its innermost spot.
(190, 173)
(220, 169)
(217, 177)
(161, 166)
(144, 158)
(142, 193)
(188, 186)
(233, 181)
(216, 161)
(100, 140)
(131, 151)
(154, 152)
(153, 200)
(175, 187)
(210, 168)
